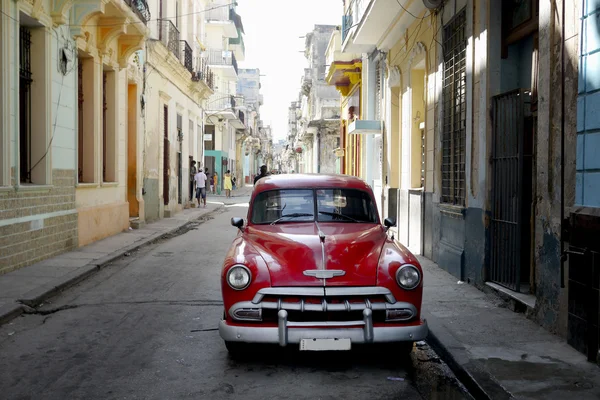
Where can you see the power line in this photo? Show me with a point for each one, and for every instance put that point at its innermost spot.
(133, 22)
(410, 13)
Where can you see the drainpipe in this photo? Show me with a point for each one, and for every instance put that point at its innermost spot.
(319, 152)
(563, 256)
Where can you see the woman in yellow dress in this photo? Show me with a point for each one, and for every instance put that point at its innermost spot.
(227, 183)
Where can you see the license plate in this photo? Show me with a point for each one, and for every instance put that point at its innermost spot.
(324, 344)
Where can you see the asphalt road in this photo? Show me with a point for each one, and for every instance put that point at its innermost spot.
(145, 327)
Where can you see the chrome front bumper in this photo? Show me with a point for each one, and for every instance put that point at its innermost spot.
(292, 332)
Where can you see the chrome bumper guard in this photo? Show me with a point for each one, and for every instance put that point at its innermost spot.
(293, 332)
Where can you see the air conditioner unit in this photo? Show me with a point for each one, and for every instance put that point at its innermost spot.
(433, 4)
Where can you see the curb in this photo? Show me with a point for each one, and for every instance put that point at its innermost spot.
(470, 372)
(38, 295)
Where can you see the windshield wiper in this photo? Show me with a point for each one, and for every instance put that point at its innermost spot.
(339, 215)
(293, 215)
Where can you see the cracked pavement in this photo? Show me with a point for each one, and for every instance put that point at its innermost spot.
(145, 327)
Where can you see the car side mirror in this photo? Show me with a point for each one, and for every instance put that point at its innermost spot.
(389, 222)
(238, 223)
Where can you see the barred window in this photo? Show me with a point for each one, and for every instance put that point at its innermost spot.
(454, 111)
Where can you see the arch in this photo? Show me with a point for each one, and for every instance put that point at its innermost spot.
(110, 29)
(83, 11)
(60, 11)
(128, 45)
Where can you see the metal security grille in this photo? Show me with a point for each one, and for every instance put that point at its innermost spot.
(80, 100)
(511, 164)
(166, 153)
(25, 80)
(104, 120)
(454, 111)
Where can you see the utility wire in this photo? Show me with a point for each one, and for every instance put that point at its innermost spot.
(133, 22)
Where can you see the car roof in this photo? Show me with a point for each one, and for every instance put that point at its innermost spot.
(298, 181)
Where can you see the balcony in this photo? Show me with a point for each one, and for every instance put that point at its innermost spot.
(344, 68)
(366, 23)
(140, 7)
(238, 123)
(221, 105)
(238, 47)
(203, 73)
(222, 59)
(186, 55)
(168, 34)
(222, 17)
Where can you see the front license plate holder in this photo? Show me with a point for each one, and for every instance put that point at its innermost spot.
(338, 344)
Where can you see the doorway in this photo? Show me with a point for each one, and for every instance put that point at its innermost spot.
(134, 206)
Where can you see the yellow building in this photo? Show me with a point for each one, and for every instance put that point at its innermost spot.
(345, 72)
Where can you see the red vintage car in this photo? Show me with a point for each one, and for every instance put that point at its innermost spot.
(314, 267)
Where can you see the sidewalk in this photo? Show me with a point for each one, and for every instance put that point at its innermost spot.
(30, 286)
(497, 353)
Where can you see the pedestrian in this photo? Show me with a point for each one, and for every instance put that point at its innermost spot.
(227, 183)
(217, 189)
(200, 180)
(263, 173)
(192, 175)
(208, 181)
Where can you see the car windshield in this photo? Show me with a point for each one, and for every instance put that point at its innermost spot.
(298, 205)
(345, 205)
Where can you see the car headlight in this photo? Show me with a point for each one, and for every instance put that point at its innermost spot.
(408, 277)
(238, 277)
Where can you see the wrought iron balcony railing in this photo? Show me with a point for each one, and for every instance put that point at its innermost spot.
(203, 73)
(222, 57)
(140, 7)
(218, 14)
(168, 34)
(186, 55)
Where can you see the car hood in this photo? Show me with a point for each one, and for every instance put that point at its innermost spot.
(291, 249)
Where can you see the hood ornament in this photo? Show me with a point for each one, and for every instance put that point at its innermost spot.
(324, 273)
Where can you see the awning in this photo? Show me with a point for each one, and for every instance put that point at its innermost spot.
(365, 127)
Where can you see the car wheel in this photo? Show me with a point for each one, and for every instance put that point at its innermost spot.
(403, 348)
(236, 349)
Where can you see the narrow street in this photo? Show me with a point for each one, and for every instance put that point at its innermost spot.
(146, 328)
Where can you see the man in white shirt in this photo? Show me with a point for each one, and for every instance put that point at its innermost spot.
(200, 180)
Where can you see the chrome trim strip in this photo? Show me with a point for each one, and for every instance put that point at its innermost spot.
(288, 291)
(324, 306)
(325, 323)
(324, 274)
(271, 305)
(386, 334)
(361, 291)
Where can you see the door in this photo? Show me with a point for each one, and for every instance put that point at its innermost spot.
(512, 139)
(166, 153)
(179, 178)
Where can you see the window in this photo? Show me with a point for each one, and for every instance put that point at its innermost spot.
(345, 205)
(298, 205)
(25, 80)
(109, 126)
(454, 111)
(271, 205)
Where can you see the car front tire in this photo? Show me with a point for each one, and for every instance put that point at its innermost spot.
(403, 349)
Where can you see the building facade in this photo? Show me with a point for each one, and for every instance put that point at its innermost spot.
(224, 46)
(66, 72)
(486, 162)
(176, 82)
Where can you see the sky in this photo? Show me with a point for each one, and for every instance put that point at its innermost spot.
(273, 45)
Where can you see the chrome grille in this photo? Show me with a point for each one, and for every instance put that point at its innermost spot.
(319, 304)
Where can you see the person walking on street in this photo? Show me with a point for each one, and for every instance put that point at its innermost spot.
(208, 181)
(263, 173)
(227, 183)
(192, 175)
(217, 189)
(200, 180)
